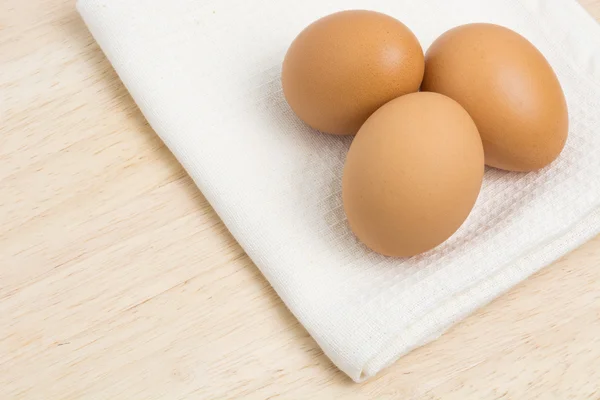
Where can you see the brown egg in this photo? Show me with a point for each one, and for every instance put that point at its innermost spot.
(412, 174)
(343, 67)
(508, 88)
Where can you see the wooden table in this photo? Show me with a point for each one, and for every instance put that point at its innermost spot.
(118, 281)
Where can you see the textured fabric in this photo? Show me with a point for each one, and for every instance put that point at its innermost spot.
(206, 74)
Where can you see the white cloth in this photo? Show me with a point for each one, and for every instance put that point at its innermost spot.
(206, 74)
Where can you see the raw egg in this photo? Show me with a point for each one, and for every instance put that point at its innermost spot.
(412, 174)
(508, 88)
(344, 66)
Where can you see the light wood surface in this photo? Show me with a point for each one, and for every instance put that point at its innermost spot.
(118, 281)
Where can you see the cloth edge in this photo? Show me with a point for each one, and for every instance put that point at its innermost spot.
(506, 278)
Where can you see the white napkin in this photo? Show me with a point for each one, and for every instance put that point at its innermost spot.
(206, 74)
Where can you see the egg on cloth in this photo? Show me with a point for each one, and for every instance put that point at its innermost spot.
(412, 174)
(344, 66)
(509, 89)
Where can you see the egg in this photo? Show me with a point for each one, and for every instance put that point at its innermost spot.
(412, 174)
(344, 66)
(508, 88)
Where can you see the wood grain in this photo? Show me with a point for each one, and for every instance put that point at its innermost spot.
(118, 281)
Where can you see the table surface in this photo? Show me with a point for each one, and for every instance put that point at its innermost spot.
(118, 281)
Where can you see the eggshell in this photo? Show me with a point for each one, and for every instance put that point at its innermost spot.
(412, 174)
(508, 88)
(343, 67)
